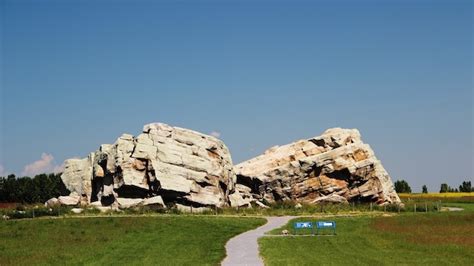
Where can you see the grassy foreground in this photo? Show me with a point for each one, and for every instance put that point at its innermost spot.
(409, 239)
(170, 240)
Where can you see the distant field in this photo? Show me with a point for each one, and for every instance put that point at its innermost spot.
(437, 195)
(407, 239)
(175, 240)
(463, 200)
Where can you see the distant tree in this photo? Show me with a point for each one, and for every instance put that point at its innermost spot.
(10, 188)
(424, 189)
(401, 186)
(444, 188)
(465, 186)
(3, 193)
(31, 190)
(451, 189)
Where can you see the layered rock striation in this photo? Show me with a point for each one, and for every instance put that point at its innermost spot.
(163, 166)
(334, 167)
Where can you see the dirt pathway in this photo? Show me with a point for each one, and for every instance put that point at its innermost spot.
(243, 249)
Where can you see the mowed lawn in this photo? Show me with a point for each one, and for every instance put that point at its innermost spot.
(164, 240)
(407, 239)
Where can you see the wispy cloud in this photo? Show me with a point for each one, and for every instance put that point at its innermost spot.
(44, 165)
(215, 134)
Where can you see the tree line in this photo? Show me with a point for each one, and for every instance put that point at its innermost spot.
(25, 189)
(42, 187)
(401, 186)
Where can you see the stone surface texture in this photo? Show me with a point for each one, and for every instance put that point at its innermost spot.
(163, 165)
(335, 167)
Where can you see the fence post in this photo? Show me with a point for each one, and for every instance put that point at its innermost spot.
(415, 208)
(371, 206)
(426, 207)
(384, 207)
(398, 205)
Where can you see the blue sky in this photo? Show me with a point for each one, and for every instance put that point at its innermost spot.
(75, 74)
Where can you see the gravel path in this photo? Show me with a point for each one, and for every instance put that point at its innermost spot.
(243, 249)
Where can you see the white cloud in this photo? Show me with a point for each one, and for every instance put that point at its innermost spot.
(215, 134)
(44, 165)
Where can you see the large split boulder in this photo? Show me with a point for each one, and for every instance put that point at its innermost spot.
(164, 164)
(170, 166)
(334, 167)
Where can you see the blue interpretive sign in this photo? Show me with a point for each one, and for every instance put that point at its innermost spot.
(319, 225)
(300, 225)
(303, 225)
(326, 224)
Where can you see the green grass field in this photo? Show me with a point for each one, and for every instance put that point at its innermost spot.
(170, 240)
(407, 239)
(363, 237)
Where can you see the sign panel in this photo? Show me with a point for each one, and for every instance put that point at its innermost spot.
(325, 224)
(301, 225)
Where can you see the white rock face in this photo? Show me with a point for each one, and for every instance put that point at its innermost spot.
(184, 208)
(334, 167)
(175, 164)
(156, 200)
(236, 199)
(71, 200)
(77, 210)
(52, 202)
(77, 174)
(128, 203)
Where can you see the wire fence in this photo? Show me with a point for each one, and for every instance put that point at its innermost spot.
(276, 209)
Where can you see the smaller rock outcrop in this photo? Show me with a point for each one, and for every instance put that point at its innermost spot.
(334, 167)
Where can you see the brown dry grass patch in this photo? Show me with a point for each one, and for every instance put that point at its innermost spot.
(8, 205)
(430, 229)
